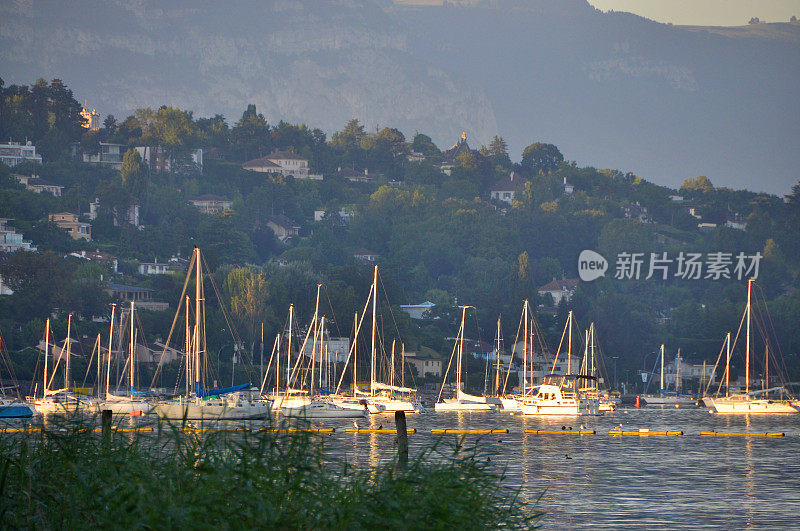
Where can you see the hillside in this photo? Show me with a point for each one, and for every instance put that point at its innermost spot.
(610, 89)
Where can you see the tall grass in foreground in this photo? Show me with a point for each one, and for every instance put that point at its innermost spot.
(71, 478)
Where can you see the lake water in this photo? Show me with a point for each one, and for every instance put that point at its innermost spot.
(618, 481)
(626, 481)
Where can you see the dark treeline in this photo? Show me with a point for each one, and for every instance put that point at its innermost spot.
(440, 237)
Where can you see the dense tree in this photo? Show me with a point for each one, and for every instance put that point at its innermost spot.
(250, 136)
(539, 157)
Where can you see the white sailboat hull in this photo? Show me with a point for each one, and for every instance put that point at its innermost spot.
(391, 404)
(211, 410)
(280, 402)
(59, 404)
(126, 407)
(458, 405)
(509, 404)
(748, 405)
(669, 400)
(323, 410)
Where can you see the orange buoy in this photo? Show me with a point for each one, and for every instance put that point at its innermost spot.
(638, 403)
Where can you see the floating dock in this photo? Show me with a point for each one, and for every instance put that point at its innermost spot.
(741, 434)
(559, 432)
(644, 432)
(470, 432)
(376, 430)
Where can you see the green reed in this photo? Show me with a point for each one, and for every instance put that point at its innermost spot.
(70, 477)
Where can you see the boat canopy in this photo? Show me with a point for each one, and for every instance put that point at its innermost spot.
(201, 393)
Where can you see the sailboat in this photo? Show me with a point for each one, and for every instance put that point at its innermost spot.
(11, 408)
(227, 403)
(130, 404)
(561, 394)
(61, 400)
(511, 402)
(304, 403)
(670, 398)
(382, 397)
(462, 401)
(756, 401)
(591, 366)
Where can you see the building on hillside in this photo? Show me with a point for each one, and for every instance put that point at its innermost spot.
(211, 204)
(91, 118)
(365, 255)
(131, 216)
(559, 289)
(418, 311)
(37, 185)
(568, 188)
(736, 221)
(706, 227)
(413, 156)
(344, 213)
(13, 153)
(425, 365)
(76, 229)
(355, 176)
(142, 297)
(110, 154)
(284, 163)
(637, 212)
(283, 227)
(11, 240)
(450, 156)
(5, 290)
(676, 198)
(159, 161)
(155, 268)
(678, 373)
(98, 256)
(508, 188)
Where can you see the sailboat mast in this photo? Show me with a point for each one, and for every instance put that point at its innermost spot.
(460, 351)
(391, 373)
(355, 353)
(69, 345)
(594, 363)
(374, 326)
(569, 345)
(766, 366)
(314, 343)
(728, 364)
(662, 368)
(747, 344)
(497, 368)
(525, 349)
(187, 348)
(110, 338)
(197, 288)
(403, 364)
(133, 350)
(289, 349)
(46, 350)
(99, 363)
(322, 352)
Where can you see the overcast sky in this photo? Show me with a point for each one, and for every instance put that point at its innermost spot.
(706, 12)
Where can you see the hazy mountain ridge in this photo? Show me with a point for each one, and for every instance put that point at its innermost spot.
(611, 89)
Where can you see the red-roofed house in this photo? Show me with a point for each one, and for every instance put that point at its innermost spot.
(560, 289)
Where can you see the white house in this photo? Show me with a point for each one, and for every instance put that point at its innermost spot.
(559, 289)
(211, 204)
(109, 155)
(365, 255)
(11, 240)
(425, 365)
(509, 188)
(418, 311)
(284, 163)
(38, 185)
(13, 153)
(154, 268)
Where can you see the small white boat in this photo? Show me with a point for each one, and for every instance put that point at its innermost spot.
(462, 401)
(558, 400)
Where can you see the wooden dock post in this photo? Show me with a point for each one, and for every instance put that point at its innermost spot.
(402, 438)
(105, 424)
